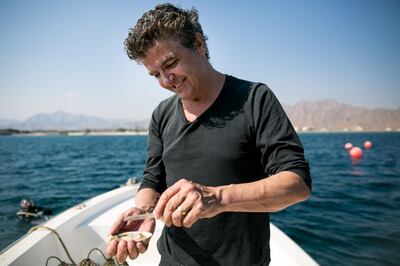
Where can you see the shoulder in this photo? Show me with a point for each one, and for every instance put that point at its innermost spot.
(255, 93)
(163, 114)
(252, 87)
(165, 108)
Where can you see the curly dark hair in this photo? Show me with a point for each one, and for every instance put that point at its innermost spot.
(165, 21)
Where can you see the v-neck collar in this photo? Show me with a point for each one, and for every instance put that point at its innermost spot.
(182, 113)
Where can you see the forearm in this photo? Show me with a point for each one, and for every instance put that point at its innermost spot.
(266, 195)
(147, 198)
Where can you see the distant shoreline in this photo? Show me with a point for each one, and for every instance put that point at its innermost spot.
(77, 133)
(350, 132)
(14, 132)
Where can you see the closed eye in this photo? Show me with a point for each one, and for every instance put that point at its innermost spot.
(171, 64)
(166, 65)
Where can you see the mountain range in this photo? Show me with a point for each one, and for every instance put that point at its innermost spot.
(62, 120)
(325, 115)
(331, 115)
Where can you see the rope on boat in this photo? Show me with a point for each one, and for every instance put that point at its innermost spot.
(41, 227)
(85, 262)
(89, 262)
(62, 263)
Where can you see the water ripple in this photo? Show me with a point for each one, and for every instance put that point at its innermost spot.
(351, 219)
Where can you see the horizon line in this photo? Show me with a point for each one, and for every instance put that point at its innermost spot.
(142, 119)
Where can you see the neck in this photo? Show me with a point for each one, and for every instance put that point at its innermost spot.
(210, 86)
(209, 93)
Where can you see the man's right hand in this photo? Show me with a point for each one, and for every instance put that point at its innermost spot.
(130, 248)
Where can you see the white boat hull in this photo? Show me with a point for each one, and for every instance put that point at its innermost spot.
(86, 226)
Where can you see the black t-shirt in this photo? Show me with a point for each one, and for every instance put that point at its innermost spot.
(242, 137)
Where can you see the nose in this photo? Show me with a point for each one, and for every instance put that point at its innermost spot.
(166, 79)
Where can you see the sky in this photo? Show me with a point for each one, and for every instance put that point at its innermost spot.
(69, 55)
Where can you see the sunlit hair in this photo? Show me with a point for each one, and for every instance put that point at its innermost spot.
(164, 22)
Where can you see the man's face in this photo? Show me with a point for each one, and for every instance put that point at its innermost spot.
(176, 67)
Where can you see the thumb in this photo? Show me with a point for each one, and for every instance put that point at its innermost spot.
(148, 225)
(117, 225)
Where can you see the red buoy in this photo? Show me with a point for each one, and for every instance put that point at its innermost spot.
(368, 145)
(348, 146)
(355, 153)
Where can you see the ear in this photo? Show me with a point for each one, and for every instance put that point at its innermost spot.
(199, 44)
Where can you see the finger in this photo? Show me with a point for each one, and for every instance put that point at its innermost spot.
(171, 214)
(112, 247)
(132, 250)
(166, 196)
(179, 215)
(122, 251)
(191, 217)
(193, 206)
(141, 247)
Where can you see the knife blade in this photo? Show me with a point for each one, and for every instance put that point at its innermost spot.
(138, 217)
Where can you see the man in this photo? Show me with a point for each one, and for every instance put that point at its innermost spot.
(28, 209)
(222, 153)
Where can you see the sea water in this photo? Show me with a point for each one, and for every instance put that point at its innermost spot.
(352, 218)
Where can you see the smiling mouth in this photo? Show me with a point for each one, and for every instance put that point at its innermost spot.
(179, 84)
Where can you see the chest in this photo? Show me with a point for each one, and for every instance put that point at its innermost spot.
(212, 150)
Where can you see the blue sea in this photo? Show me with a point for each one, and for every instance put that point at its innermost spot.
(352, 218)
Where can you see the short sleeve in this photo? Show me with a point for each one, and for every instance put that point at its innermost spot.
(276, 139)
(154, 173)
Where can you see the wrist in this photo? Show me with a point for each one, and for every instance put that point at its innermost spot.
(224, 197)
(146, 199)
